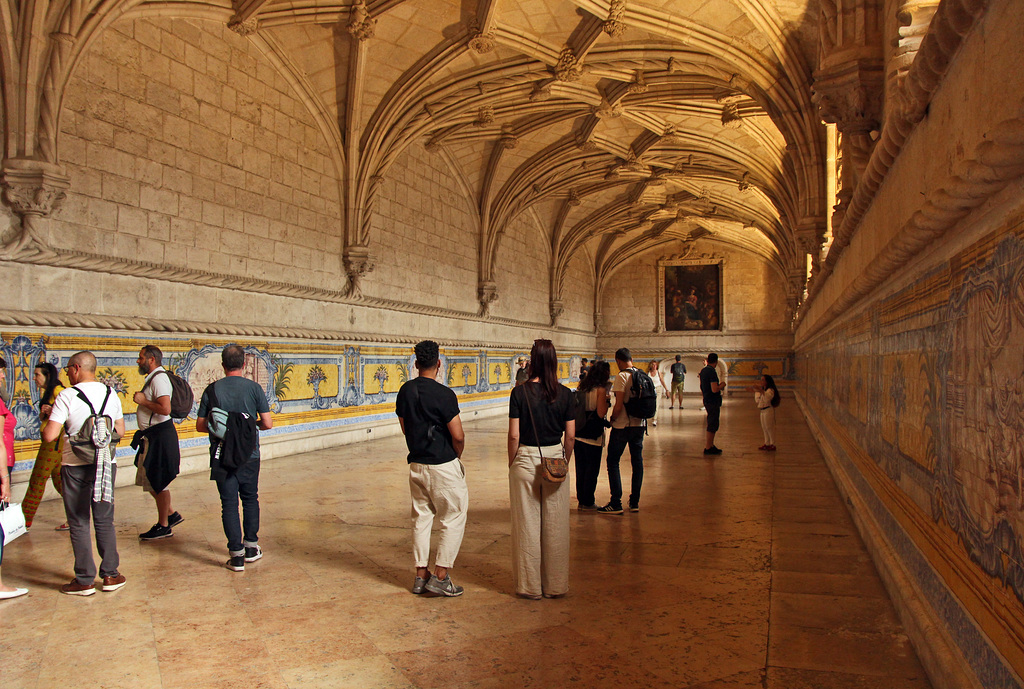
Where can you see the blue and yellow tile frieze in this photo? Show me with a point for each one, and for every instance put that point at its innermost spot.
(309, 386)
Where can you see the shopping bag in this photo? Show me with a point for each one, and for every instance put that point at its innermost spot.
(12, 519)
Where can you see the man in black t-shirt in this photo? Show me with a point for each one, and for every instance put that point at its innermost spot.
(711, 389)
(429, 414)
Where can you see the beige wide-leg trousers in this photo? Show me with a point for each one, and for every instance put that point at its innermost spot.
(540, 526)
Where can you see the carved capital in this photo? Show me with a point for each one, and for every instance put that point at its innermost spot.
(33, 187)
(357, 265)
(245, 28)
(486, 294)
(574, 198)
(810, 235)
(360, 24)
(568, 67)
(850, 95)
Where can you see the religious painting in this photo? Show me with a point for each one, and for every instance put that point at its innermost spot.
(691, 295)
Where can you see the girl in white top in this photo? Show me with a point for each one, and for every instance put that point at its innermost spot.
(660, 390)
(766, 396)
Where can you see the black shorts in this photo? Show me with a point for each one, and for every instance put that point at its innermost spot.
(713, 414)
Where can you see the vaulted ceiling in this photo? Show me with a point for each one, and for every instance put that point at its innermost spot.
(619, 125)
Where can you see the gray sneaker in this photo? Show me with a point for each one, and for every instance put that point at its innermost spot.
(443, 587)
(419, 586)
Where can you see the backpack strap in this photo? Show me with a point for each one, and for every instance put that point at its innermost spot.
(81, 396)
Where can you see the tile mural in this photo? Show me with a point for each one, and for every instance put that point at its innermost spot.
(322, 384)
(928, 383)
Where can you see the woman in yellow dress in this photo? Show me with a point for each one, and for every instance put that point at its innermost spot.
(47, 464)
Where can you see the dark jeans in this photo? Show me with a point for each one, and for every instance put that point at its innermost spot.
(619, 438)
(588, 467)
(78, 504)
(243, 484)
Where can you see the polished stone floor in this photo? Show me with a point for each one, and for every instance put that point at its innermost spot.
(744, 572)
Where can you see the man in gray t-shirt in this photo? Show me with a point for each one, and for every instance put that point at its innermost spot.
(236, 393)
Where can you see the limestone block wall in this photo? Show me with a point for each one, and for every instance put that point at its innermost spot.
(524, 261)
(186, 148)
(911, 369)
(425, 238)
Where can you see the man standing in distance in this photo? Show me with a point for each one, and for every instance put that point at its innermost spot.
(82, 497)
(235, 393)
(522, 373)
(711, 389)
(626, 430)
(429, 415)
(157, 440)
(678, 375)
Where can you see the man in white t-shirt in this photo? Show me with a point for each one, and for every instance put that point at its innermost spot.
(159, 456)
(80, 477)
(626, 431)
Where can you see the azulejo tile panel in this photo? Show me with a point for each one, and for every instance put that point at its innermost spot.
(309, 386)
(929, 383)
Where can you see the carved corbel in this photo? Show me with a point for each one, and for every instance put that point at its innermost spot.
(574, 198)
(487, 294)
(508, 140)
(357, 265)
(606, 110)
(639, 84)
(360, 24)
(731, 115)
(810, 237)
(556, 307)
(33, 190)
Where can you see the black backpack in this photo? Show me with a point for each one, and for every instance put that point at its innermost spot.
(588, 424)
(643, 398)
(233, 434)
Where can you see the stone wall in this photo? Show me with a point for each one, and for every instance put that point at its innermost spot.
(911, 370)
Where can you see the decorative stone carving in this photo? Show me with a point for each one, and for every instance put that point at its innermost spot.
(639, 84)
(568, 68)
(914, 18)
(731, 115)
(672, 65)
(744, 183)
(508, 140)
(360, 24)
(487, 294)
(480, 42)
(606, 110)
(574, 198)
(357, 265)
(583, 142)
(541, 91)
(614, 25)
(33, 189)
(485, 116)
(556, 308)
(245, 28)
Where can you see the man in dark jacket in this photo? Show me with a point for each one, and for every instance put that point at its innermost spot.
(235, 393)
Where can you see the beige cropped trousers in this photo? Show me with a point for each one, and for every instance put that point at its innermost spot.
(439, 492)
(540, 526)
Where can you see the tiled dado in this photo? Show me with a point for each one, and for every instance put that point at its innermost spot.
(316, 391)
(921, 393)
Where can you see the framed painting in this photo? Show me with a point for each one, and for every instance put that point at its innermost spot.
(689, 295)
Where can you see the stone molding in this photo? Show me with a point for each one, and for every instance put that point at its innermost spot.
(951, 23)
(360, 24)
(997, 162)
(53, 319)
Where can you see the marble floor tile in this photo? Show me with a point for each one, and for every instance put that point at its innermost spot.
(740, 572)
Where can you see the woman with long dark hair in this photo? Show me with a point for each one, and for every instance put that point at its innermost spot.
(766, 396)
(47, 466)
(592, 408)
(542, 419)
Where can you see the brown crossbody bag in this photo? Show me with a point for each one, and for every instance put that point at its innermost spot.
(556, 468)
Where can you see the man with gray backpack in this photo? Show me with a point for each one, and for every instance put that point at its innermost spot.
(91, 414)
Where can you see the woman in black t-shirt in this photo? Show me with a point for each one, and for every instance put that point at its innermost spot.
(542, 419)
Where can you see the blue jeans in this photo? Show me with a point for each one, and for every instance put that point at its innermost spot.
(617, 441)
(243, 484)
